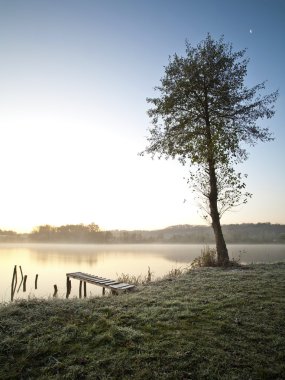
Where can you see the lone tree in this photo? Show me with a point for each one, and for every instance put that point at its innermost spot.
(205, 115)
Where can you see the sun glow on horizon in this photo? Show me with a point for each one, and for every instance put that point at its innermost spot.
(74, 81)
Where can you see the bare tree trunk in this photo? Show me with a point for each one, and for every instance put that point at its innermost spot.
(222, 251)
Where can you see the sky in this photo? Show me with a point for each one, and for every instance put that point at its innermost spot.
(74, 80)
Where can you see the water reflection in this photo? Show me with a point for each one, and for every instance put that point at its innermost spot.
(257, 253)
(52, 262)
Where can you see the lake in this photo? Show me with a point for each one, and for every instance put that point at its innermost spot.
(52, 261)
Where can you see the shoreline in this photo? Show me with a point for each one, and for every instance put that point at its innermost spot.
(208, 323)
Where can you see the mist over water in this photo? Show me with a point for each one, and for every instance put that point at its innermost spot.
(52, 261)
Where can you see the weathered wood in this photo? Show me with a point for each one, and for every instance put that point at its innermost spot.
(21, 272)
(85, 289)
(121, 286)
(15, 278)
(24, 283)
(55, 290)
(80, 289)
(103, 291)
(19, 287)
(22, 279)
(68, 286)
(105, 283)
(14, 282)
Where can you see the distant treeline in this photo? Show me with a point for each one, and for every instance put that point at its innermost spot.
(91, 233)
(70, 233)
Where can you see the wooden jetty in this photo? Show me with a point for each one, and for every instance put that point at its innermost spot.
(115, 286)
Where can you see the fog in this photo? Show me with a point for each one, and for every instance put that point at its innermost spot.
(52, 261)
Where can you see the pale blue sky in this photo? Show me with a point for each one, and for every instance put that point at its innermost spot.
(74, 77)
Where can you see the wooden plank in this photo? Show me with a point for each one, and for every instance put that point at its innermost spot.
(88, 278)
(108, 283)
(94, 279)
(100, 281)
(122, 285)
(84, 275)
(130, 287)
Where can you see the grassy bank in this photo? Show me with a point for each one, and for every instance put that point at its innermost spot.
(206, 324)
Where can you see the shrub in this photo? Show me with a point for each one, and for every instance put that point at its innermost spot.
(208, 258)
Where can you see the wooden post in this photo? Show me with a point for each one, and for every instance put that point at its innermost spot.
(55, 291)
(14, 282)
(36, 281)
(67, 283)
(80, 289)
(12, 293)
(24, 283)
(103, 291)
(21, 272)
(14, 279)
(85, 292)
(22, 279)
(68, 287)
(19, 287)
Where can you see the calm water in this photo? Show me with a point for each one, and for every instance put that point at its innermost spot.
(52, 262)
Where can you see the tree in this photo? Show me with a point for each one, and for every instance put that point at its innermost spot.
(204, 116)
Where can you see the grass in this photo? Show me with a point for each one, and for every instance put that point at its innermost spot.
(135, 280)
(208, 323)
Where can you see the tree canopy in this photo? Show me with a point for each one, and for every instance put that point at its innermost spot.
(205, 115)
